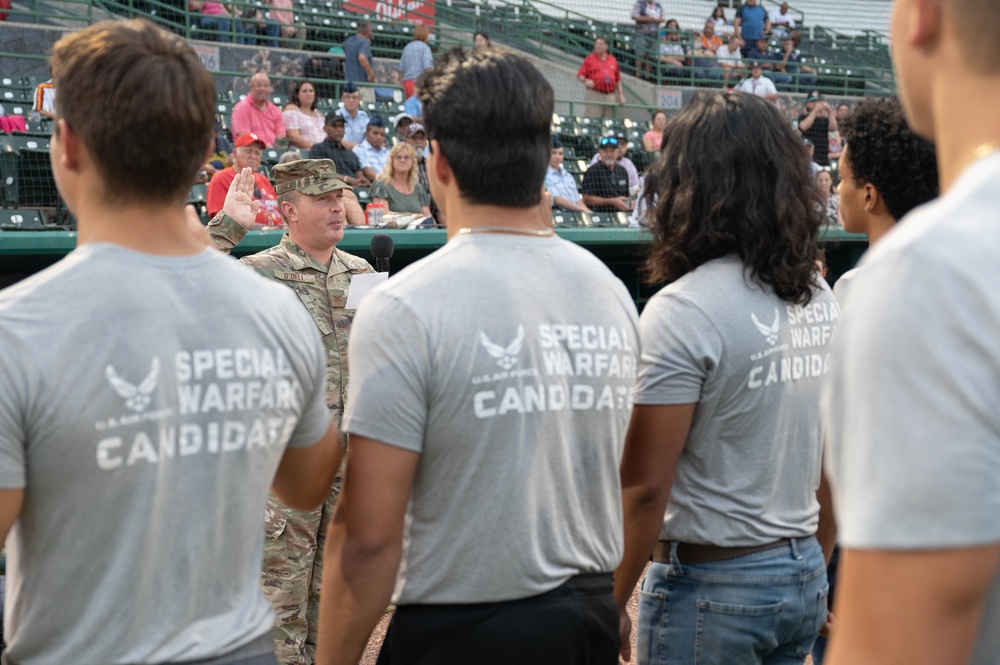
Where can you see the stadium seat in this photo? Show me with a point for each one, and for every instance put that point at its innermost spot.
(564, 219)
(16, 220)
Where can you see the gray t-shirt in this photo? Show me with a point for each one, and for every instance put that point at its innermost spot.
(914, 428)
(754, 364)
(844, 285)
(508, 363)
(146, 402)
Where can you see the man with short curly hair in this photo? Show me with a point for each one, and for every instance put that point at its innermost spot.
(886, 170)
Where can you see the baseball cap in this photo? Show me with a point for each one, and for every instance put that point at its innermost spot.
(248, 138)
(416, 128)
(814, 96)
(755, 65)
(401, 117)
(556, 143)
(609, 142)
(308, 176)
(333, 117)
(348, 87)
(376, 121)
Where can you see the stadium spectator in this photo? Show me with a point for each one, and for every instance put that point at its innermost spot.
(291, 155)
(308, 262)
(412, 104)
(758, 84)
(605, 184)
(653, 138)
(782, 21)
(417, 138)
(281, 24)
(831, 202)
(730, 58)
(816, 124)
(791, 63)
(219, 19)
(357, 118)
(751, 23)
(246, 154)
(372, 152)
(401, 126)
(648, 15)
(481, 40)
(398, 186)
(672, 61)
(303, 123)
(738, 575)
(256, 113)
(358, 58)
(623, 161)
(810, 151)
(843, 110)
(44, 104)
(415, 59)
(722, 25)
(602, 79)
(333, 148)
(560, 183)
(705, 48)
(136, 504)
(431, 463)
(770, 60)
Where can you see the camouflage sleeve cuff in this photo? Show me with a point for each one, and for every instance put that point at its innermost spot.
(226, 232)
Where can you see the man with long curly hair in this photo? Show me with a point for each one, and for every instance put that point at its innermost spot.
(721, 470)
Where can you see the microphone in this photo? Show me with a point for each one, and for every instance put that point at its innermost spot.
(382, 248)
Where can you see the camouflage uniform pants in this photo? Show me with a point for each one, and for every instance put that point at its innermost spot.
(292, 573)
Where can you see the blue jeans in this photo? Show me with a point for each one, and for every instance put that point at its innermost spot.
(766, 608)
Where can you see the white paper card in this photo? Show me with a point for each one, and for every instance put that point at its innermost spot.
(361, 285)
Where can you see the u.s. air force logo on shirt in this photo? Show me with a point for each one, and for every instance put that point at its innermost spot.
(137, 397)
(506, 355)
(770, 332)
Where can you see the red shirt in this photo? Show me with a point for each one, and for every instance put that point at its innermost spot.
(604, 73)
(266, 124)
(218, 187)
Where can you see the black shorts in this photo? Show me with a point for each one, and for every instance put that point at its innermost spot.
(574, 624)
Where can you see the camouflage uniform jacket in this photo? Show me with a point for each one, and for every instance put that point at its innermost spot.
(322, 290)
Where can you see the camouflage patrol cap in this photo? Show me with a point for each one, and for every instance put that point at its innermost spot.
(308, 176)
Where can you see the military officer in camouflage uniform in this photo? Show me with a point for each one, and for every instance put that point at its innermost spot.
(308, 262)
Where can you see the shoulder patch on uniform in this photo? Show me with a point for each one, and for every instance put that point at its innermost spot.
(294, 276)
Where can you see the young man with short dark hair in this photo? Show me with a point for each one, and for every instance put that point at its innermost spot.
(913, 428)
(137, 444)
(491, 384)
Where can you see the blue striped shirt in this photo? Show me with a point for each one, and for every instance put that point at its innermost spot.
(562, 183)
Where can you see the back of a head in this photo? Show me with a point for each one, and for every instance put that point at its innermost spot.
(733, 178)
(421, 33)
(491, 112)
(364, 27)
(882, 150)
(141, 102)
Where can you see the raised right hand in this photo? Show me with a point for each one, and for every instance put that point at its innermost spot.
(239, 202)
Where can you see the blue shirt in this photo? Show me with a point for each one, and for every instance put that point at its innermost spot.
(752, 22)
(415, 58)
(561, 183)
(353, 47)
(413, 106)
(369, 156)
(354, 128)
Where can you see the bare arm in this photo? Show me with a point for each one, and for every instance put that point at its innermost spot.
(363, 548)
(621, 92)
(425, 211)
(369, 173)
(918, 607)
(807, 121)
(305, 474)
(737, 22)
(569, 205)
(653, 446)
(826, 532)
(10, 508)
(296, 139)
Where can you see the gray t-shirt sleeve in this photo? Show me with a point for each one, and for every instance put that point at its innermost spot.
(378, 190)
(422, 195)
(680, 348)
(913, 416)
(389, 356)
(315, 419)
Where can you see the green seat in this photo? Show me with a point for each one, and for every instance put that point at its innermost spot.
(566, 219)
(16, 220)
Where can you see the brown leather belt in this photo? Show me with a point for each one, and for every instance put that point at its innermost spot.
(691, 553)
